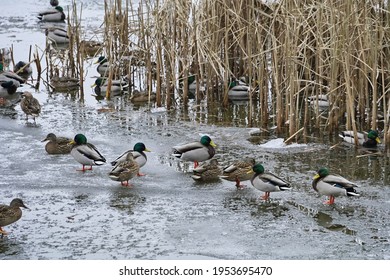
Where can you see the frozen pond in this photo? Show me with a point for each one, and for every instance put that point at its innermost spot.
(166, 214)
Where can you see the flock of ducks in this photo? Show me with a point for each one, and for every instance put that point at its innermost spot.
(128, 164)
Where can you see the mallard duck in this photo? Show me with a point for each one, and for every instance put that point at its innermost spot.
(117, 86)
(57, 35)
(138, 155)
(85, 153)
(8, 94)
(142, 96)
(23, 69)
(207, 171)
(54, 3)
(8, 75)
(332, 185)
(103, 66)
(238, 90)
(64, 83)
(367, 140)
(320, 100)
(30, 105)
(52, 15)
(238, 171)
(196, 151)
(267, 182)
(57, 145)
(125, 170)
(90, 47)
(10, 213)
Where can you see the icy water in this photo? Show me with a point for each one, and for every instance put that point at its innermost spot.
(166, 215)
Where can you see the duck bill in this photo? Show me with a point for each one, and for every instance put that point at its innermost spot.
(72, 142)
(213, 144)
(147, 150)
(378, 140)
(250, 171)
(44, 140)
(316, 176)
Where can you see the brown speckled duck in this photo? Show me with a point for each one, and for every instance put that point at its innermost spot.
(30, 105)
(125, 170)
(57, 145)
(238, 171)
(9, 214)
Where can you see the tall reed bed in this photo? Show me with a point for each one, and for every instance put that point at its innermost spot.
(289, 50)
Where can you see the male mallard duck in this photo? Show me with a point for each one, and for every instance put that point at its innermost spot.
(320, 100)
(238, 90)
(85, 153)
(267, 182)
(196, 151)
(138, 155)
(332, 185)
(117, 86)
(57, 35)
(238, 171)
(23, 69)
(10, 213)
(57, 145)
(103, 66)
(54, 3)
(367, 140)
(52, 15)
(125, 170)
(8, 94)
(8, 75)
(30, 105)
(207, 171)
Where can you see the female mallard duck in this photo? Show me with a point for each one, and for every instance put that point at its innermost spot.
(332, 185)
(267, 182)
(57, 35)
(125, 170)
(196, 151)
(52, 15)
(138, 155)
(103, 66)
(117, 86)
(30, 105)
(23, 69)
(238, 90)
(64, 83)
(85, 153)
(90, 47)
(10, 213)
(367, 140)
(238, 171)
(207, 171)
(142, 96)
(57, 145)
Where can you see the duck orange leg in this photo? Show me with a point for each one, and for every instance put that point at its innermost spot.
(196, 164)
(140, 174)
(265, 196)
(238, 185)
(126, 184)
(330, 201)
(84, 169)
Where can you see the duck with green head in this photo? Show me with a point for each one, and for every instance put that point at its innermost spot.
(366, 140)
(125, 170)
(196, 151)
(10, 213)
(332, 185)
(267, 182)
(238, 171)
(117, 86)
(85, 153)
(52, 15)
(138, 153)
(103, 66)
